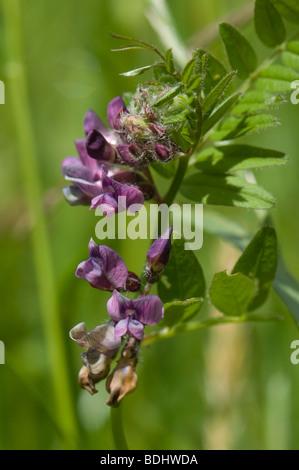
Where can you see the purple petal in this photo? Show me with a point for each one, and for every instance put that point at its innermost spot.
(135, 328)
(117, 306)
(132, 195)
(98, 148)
(112, 264)
(149, 309)
(115, 108)
(107, 202)
(126, 154)
(74, 196)
(77, 172)
(71, 161)
(121, 328)
(95, 275)
(89, 189)
(80, 271)
(92, 121)
(89, 162)
(126, 177)
(158, 253)
(162, 151)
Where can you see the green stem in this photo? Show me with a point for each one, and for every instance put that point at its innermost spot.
(56, 367)
(118, 434)
(177, 180)
(181, 328)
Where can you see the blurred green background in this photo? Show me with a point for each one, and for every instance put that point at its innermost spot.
(232, 387)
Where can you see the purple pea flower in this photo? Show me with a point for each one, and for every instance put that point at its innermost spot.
(117, 197)
(157, 256)
(131, 315)
(104, 270)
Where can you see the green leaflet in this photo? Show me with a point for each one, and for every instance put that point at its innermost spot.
(291, 56)
(289, 9)
(210, 68)
(218, 113)
(168, 95)
(177, 311)
(169, 61)
(213, 98)
(234, 127)
(286, 286)
(268, 23)
(277, 79)
(259, 263)
(166, 170)
(139, 71)
(183, 276)
(257, 101)
(225, 190)
(231, 294)
(188, 71)
(227, 158)
(241, 55)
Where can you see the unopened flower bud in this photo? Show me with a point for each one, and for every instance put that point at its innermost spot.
(123, 379)
(162, 152)
(133, 282)
(157, 256)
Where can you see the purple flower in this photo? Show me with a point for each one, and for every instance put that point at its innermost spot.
(131, 315)
(158, 255)
(84, 172)
(117, 197)
(104, 270)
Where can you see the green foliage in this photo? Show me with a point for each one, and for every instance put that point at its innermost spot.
(259, 263)
(231, 294)
(225, 190)
(289, 9)
(241, 55)
(227, 158)
(183, 276)
(248, 286)
(177, 311)
(268, 23)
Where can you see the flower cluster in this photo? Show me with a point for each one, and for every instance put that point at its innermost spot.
(111, 173)
(106, 270)
(98, 176)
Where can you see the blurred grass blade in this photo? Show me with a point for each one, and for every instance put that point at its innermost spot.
(57, 370)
